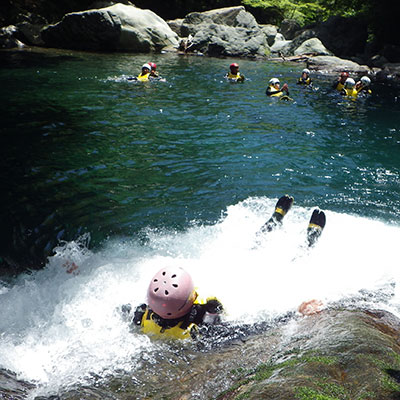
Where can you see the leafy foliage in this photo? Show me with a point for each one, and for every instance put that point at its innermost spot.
(303, 12)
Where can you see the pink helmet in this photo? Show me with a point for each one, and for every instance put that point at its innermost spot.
(153, 65)
(171, 293)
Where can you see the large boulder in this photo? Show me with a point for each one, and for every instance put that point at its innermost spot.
(8, 37)
(118, 27)
(30, 33)
(344, 37)
(390, 71)
(176, 25)
(270, 32)
(229, 31)
(289, 46)
(332, 64)
(312, 46)
(289, 28)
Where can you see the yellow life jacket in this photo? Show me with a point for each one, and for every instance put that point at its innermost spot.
(364, 90)
(351, 92)
(305, 82)
(149, 326)
(143, 78)
(235, 78)
(272, 92)
(340, 86)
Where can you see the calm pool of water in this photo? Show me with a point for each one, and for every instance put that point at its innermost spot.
(84, 150)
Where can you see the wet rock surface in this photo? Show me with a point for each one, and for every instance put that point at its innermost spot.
(336, 354)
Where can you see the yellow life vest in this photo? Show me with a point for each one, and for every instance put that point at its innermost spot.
(235, 78)
(351, 92)
(340, 86)
(149, 326)
(143, 78)
(272, 92)
(305, 82)
(364, 90)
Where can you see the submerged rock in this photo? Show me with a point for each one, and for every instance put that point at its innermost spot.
(118, 27)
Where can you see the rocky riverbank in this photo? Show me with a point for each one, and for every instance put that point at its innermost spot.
(231, 32)
(339, 354)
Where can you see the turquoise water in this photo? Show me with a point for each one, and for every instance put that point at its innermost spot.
(181, 172)
(83, 150)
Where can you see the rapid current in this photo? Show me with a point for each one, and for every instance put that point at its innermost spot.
(122, 178)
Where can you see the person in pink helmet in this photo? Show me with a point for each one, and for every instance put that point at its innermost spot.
(174, 309)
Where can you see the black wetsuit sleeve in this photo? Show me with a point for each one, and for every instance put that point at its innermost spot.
(214, 306)
(138, 315)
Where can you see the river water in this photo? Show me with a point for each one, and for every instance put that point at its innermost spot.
(121, 178)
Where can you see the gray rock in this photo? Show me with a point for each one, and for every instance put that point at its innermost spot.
(378, 61)
(312, 46)
(389, 71)
(30, 33)
(270, 32)
(281, 46)
(337, 354)
(344, 37)
(118, 27)
(229, 31)
(8, 37)
(279, 38)
(176, 26)
(288, 28)
(289, 47)
(332, 64)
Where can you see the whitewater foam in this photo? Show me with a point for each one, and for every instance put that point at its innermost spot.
(61, 326)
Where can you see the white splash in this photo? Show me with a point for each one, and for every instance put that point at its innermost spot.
(61, 325)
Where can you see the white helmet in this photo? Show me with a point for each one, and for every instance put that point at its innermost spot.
(274, 81)
(148, 66)
(306, 71)
(349, 82)
(365, 81)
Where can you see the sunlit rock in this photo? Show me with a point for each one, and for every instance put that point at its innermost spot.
(312, 46)
(335, 64)
(230, 31)
(118, 27)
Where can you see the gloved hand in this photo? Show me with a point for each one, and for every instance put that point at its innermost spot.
(214, 306)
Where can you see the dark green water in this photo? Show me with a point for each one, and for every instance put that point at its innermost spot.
(84, 150)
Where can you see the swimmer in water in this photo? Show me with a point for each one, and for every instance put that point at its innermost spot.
(234, 75)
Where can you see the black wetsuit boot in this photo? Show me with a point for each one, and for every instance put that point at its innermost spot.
(281, 208)
(315, 226)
